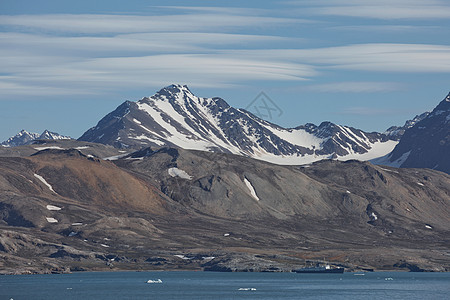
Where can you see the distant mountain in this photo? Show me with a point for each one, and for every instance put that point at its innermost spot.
(396, 132)
(22, 138)
(176, 117)
(426, 144)
(25, 138)
(48, 135)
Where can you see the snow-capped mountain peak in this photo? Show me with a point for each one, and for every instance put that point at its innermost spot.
(48, 135)
(174, 116)
(24, 138)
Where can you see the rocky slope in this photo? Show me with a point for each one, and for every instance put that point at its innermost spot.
(396, 132)
(426, 144)
(170, 208)
(88, 149)
(176, 117)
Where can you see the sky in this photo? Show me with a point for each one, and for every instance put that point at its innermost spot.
(367, 64)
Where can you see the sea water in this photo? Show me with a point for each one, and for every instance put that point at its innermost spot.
(213, 285)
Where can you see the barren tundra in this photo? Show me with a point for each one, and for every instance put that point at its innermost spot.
(67, 209)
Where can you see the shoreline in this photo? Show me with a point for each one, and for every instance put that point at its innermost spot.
(45, 272)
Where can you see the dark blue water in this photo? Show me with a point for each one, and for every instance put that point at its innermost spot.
(211, 285)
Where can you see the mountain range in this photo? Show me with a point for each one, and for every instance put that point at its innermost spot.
(171, 182)
(24, 138)
(176, 117)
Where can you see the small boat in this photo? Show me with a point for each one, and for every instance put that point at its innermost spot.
(154, 281)
(320, 270)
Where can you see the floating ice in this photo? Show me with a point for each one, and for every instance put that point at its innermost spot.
(154, 281)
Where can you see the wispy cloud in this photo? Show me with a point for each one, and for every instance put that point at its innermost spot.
(135, 43)
(112, 73)
(220, 10)
(75, 54)
(26, 89)
(109, 24)
(385, 28)
(382, 9)
(109, 52)
(382, 57)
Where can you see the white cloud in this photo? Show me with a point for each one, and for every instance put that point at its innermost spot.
(112, 73)
(109, 52)
(73, 54)
(419, 58)
(20, 89)
(108, 24)
(176, 42)
(213, 68)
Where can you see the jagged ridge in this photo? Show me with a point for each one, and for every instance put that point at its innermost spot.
(174, 116)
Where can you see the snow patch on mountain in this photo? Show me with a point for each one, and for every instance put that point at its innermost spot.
(51, 220)
(48, 147)
(296, 136)
(378, 149)
(53, 207)
(44, 182)
(175, 172)
(251, 189)
(385, 160)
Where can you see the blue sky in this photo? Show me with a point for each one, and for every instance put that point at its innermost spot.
(368, 64)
